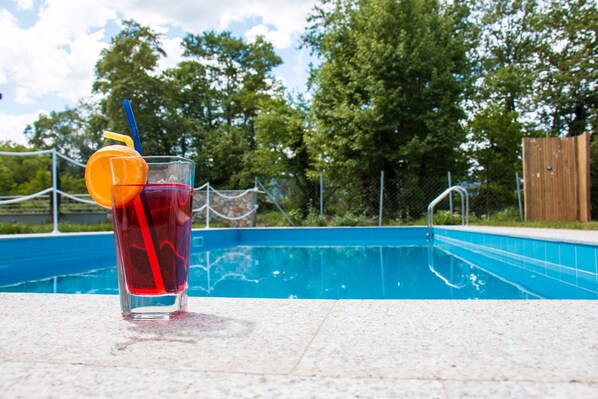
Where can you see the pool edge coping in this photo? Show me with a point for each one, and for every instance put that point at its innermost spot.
(586, 237)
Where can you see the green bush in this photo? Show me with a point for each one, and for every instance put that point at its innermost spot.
(314, 218)
(408, 221)
(21, 228)
(350, 219)
(214, 223)
(445, 218)
(271, 219)
(296, 216)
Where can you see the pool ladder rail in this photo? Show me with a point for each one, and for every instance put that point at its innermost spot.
(464, 207)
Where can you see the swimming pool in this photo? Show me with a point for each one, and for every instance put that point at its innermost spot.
(323, 263)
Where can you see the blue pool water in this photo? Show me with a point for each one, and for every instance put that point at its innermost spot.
(354, 263)
(354, 272)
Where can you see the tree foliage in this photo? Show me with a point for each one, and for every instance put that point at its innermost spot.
(416, 88)
(507, 57)
(74, 132)
(23, 175)
(388, 93)
(222, 82)
(537, 77)
(282, 152)
(128, 69)
(567, 73)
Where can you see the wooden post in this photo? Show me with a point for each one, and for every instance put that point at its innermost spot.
(583, 173)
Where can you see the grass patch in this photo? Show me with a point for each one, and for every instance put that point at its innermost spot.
(276, 219)
(24, 228)
(214, 223)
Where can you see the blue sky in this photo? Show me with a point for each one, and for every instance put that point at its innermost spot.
(48, 48)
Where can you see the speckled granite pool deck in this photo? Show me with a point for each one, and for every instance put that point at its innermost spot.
(78, 346)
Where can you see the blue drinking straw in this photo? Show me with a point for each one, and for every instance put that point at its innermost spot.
(133, 126)
(140, 204)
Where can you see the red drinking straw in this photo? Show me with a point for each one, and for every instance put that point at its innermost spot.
(149, 245)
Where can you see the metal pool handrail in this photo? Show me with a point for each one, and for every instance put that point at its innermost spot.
(464, 207)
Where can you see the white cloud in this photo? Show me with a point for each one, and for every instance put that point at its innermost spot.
(301, 66)
(173, 50)
(257, 30)
(279, 39)
(55, 56)
(24, 4)
(23, 96)
(285, 17)
(12, 126)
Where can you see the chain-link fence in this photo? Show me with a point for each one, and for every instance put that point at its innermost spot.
(317, 200)
(388, 201)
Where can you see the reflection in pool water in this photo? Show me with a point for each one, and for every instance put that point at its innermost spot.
(344, 272)
(385, 272)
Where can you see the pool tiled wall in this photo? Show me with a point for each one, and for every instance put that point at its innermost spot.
(206, 239)
(333, 236)
(32, 257)
(574, 264)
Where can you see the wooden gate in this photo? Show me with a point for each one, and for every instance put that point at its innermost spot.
(556, 178)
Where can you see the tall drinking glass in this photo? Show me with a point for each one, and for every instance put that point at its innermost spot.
(152, 231)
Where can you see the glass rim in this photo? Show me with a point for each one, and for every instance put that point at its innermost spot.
(157, 159)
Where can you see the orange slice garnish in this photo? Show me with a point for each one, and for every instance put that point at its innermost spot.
(98, 175)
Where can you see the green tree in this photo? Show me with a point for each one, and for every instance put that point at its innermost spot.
(388, 93)
(233, 77)
(128, 69)
(281, 151)
(507, 54)
(190, 93)
(23, 175)
(74, 132)
(567, 72)
(281, 126)
(507, 60)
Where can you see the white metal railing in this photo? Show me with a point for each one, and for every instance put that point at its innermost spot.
(40, 203)
(464, 207)
(54, 192)
(21, 198)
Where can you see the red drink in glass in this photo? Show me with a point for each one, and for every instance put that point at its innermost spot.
(162, 267)
(152, 233)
